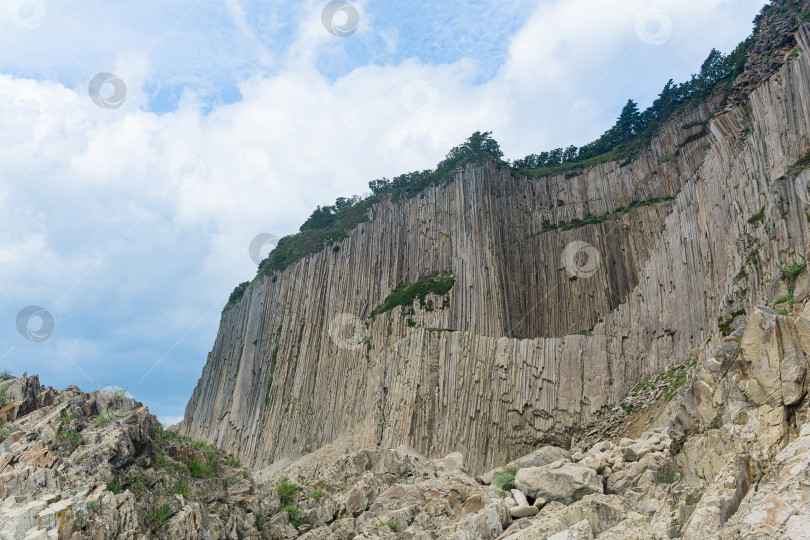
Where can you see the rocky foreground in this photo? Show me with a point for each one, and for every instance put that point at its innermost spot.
(728, 456)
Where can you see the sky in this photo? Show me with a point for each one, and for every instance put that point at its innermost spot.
(144, 145)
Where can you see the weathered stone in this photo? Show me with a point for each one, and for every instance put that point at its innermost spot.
(579, 531)
(489, 476)
(519, 497)
(774, 361)
(564, 483)
(454, 460)
(518, 512)
(540, 457)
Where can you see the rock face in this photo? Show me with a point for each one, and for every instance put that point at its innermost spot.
(299, 363)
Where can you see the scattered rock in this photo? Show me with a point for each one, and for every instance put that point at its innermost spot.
(518, 512)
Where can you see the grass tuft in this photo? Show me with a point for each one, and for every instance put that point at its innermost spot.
(109, 416)
(292, 511)
(792, 271)
(286, 491)
(182, 487)
(71, 436)
(667, 476)
(505, 480)
(160, 516)
(391, 523)
(199, 468)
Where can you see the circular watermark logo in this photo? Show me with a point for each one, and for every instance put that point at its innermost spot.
(347, 331)
(581, 259)
(802, 186)
(118, 391)
(27, 14)
(107, 90)
(340, 18)
(653, 26)
(35, 323)
(187, 170)
(420, 98)
(261, 246)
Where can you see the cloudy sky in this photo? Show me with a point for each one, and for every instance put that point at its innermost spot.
(128, 200)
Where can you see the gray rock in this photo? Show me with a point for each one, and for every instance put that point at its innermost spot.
(540, 457)
(567, 483)
(519, 497)
(518, 512)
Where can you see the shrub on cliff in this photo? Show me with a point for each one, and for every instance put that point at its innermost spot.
(633, 129)
(286, 491)
(332, 223)
(237, 293)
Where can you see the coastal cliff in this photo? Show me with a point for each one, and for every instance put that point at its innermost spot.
(568, 290)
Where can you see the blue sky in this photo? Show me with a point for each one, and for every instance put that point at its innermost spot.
(131, 225)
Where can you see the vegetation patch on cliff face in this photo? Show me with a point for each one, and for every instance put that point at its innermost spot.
(594, 220)
(725, 325)
(237, 295)
(759, 216)
(404, 294)
(792, 271)
(647, 392)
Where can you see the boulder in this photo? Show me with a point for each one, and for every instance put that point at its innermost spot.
(489, 476)
(774, 359)
(566, 483)
(540, 457)
(519, 497)
(454, 461)
(518, 512)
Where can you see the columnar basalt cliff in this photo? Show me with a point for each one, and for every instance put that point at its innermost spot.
(569, 290)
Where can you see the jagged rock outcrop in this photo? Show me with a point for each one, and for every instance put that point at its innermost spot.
(99, 466)
(299, 363)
